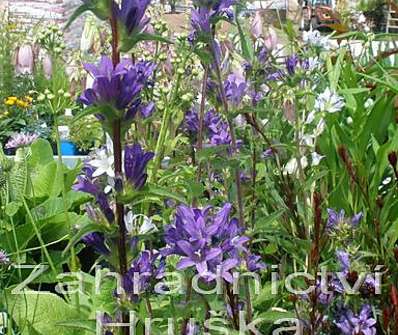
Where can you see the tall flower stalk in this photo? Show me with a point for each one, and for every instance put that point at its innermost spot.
(117, 154)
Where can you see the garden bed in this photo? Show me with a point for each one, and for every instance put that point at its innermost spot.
(239, 177)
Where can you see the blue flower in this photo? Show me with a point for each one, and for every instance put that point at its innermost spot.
(135, 162)
(119, 87)
(148, 267)
(97, 242)
(212, 244)
(337, 219)
(131, 14)
(86, 185)
(363, 323)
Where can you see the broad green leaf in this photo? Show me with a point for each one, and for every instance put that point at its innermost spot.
(47, 181)
(42, 153)
(42, 311)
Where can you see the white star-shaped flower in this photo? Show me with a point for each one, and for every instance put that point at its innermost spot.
(103, 164)
(329, 101)
(316, 158)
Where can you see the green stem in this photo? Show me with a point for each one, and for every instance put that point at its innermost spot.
(74, 266)
(39, 237)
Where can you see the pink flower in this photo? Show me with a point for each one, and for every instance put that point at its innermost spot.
(271, 39)
(21, 140)
(257, 26)
(47, 66)
(24, 59)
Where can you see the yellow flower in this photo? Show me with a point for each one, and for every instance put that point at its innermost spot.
(28, 98)
(22, 104)
(12, 98)
(9, 102)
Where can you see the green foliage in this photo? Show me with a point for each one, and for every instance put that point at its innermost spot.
(41, 313)
(86, 133)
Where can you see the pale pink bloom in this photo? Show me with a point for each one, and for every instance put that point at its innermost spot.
(24, 59)
(271, 39)
(47, 66)
(257, 25)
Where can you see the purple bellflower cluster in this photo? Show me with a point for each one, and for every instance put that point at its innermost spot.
(145, 270)
(235, 89)
(292, 64)
(336, 220)
(135, 162)
(118, 87)
(97, 242)
(216, 128)
(87, 184)
(212, 244)
(206, 14)
(362, 323)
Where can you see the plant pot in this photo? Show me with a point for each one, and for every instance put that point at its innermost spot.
(68, 148)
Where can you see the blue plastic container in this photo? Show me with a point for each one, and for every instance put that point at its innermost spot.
(68, 148)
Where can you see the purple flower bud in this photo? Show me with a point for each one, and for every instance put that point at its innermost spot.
(131, 14)
(291, 64)
(97, 242)
(135, 162)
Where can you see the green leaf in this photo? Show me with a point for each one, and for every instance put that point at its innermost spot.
(47, 181)
(83, 325)
(49, 209)
(247, 48)
(42, 312)
(12, 208)
(265, 222)
(42, 153)
(85, 226)
(128, 42)
(273, 315)
(164, 193)
(78, 12)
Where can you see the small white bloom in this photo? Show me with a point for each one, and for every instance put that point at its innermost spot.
(312, 63)
(329, 101)
(310, 117)
(320, 128)
(316, 158)
(108, 189)
(103, 164)
(292, 167)
(307, 140)
(361, 18)
(131, 221)
(369, 103)
(387, 181)
(165, 163)
(315, 39)
(350, 120)
(240, 121)
(147, 226)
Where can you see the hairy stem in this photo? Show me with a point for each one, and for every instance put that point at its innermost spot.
(117, 153)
